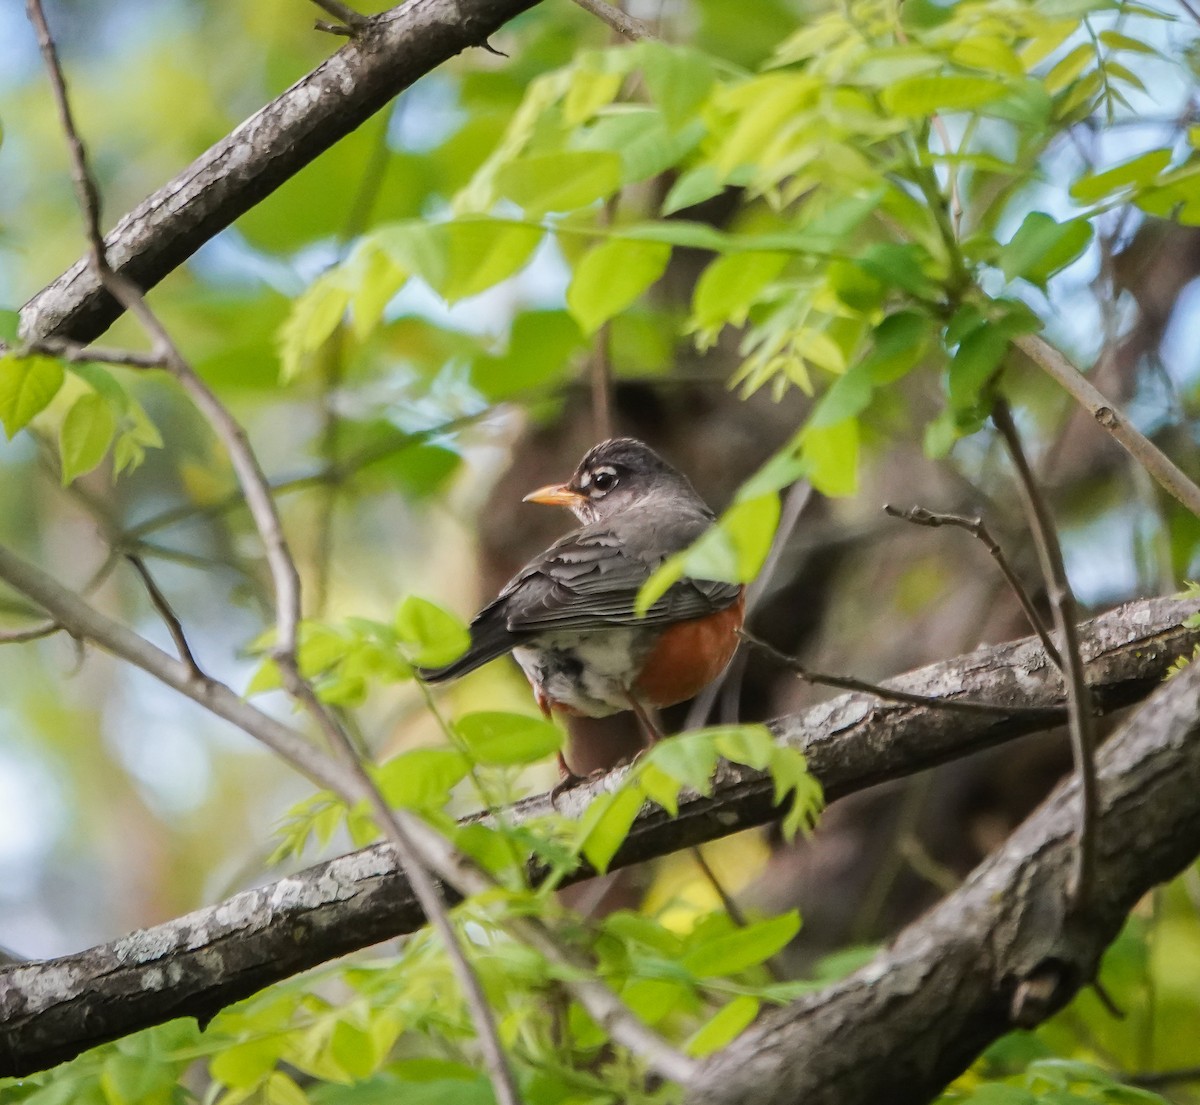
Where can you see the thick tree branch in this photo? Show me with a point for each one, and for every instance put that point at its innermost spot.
(394, 50)
(199, 963)
(1005, 951)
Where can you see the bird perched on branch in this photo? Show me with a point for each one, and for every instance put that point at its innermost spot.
(569, 617)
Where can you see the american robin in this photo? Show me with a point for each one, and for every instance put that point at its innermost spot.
(568, 616)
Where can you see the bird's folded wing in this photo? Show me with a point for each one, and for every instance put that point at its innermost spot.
(588, 581)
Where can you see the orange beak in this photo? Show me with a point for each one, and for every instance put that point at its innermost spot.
(555, 494)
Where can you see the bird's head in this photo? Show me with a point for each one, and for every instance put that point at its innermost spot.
(613, 476)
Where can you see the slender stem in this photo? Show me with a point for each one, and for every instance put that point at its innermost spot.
(351, 18)
(76, 353)
(728, 904)
(888, 694)
(1169, 476)
(626, 25)
(31, 633)
(393, 824)
(168, 615)
(919, 516)
(1080, 720)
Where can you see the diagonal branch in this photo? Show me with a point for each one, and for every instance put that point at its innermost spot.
(905, 1025)
(1168, 474)
(161, 233)
(197, 964)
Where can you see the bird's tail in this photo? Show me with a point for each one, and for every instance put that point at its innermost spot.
(490, 638)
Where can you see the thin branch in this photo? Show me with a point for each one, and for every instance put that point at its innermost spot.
(1158, 1079)
(1168, 475)
(1080, 722)
(727, 903)
(892, 694)
(168, 615)
(625, 25)
(31, 633)
(919, 516)
(76, 353)
(605, 1007)
(86, 623)
(396, 826)
(353, 19)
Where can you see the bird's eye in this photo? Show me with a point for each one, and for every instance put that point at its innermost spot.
(604, 479)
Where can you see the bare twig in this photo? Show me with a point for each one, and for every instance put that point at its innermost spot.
(728, 904)
(1157, 1079)
(889, 694)
(395, 829)
(1168, 475)
(30, 633)
(919, 516)
(77, 353)
(1080, 722)
(353, 19)
(626, 25)
(168, 615)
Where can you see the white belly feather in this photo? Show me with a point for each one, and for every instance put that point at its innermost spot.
(591, 674)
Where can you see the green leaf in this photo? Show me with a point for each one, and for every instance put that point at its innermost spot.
(678, 78)
(830, 455)
(606, 824)
(10, 326)
(562, 181)
(743, 948)
(900, 341)
(923, 95)
(729, 287)
(87, 431)
(689, 758)
(481, 253)
(282, 1090)
(422, 778)
(434, 636)
(314, 317)
(643, 141)
(27, 384)
(694, 186)
(245, 1065)
(611, 276)
(504, 739)
(1042, 246)
(732, 550)
(539, 353)
(1141, 172)
(752, 745)
(729, 1022)
(979, 356)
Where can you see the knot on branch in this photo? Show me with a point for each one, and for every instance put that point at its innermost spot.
(1043, 991)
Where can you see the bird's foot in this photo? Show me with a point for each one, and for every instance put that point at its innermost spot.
(570, 781)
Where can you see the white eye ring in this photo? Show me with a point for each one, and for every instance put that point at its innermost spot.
(604, 479)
